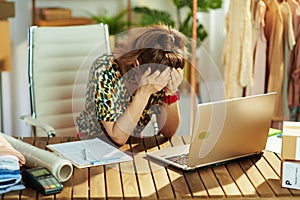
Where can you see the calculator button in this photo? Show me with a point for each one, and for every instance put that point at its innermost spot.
(44, 183)
(52, 186)
(52, 180)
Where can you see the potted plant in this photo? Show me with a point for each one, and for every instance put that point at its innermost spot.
(116, 24)
(184, 23)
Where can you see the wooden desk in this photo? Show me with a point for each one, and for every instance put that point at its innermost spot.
(251, 178)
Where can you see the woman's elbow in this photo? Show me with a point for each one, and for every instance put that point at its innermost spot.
(169, 132)
(119, 140)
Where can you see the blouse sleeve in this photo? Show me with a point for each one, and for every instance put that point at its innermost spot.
(109, 95)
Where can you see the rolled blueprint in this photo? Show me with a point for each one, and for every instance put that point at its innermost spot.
(61, 168)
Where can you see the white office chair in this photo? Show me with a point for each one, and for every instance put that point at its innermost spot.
(59, 61)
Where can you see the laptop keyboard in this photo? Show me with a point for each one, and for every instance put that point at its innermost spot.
(179, 159)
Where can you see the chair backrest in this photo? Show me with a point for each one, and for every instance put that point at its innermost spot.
(59, 61)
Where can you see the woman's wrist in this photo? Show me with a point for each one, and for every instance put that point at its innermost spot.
(142, 93)
(169, 99)
(169, 92)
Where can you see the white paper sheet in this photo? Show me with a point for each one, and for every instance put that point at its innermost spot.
(274, 144)
(92, 152)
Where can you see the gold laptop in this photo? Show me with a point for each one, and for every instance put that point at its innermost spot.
(223, 131)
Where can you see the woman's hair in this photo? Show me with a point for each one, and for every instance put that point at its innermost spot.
(157, 44)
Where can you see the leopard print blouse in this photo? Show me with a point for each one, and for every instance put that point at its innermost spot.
(107, 98)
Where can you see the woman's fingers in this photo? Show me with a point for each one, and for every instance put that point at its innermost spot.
(176, 79)
(154, 82)
(177, 74)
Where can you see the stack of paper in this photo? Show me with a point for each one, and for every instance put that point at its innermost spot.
(92, 152)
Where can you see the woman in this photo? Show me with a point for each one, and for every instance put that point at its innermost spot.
(139, 79)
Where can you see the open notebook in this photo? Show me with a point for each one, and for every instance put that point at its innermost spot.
(91, 152)
(223, 131)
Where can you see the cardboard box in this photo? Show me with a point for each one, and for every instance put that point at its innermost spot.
(290, 174)
(65, 22)
(5, 48)
(53, 13)
(290, 149)
(7, 9)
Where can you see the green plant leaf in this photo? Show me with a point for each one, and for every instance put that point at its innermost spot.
(116, 24)
(182, 3)
(184, 24)
(206, 5)
(151, 16)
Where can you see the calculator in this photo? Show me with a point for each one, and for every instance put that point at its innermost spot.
(42, 180)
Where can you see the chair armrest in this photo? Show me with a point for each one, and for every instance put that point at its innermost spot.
(34, 122)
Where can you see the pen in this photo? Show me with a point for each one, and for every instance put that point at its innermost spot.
(85, 154)
(104, 161)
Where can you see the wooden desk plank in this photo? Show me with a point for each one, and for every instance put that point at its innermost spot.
(55, 140)
(41, 196)
(228, 185)
(11, 195)
(145, 179)
(271, 177)
(179, 184)
(80, 183)
(162, 182)
(128, 172)
(186, 139)
(177, 178)
(41, 142)
(254, 179)
(275, 162)
(176, 141)
(241, 179)
(97, 183)
(29, 193)
(160, 176)
(29, 140)
(207, 176)
(113, 181)
(211, 183)
(262, 187)
(193, 179)
(195, 184)
(67, 190)
(146, 182)
(129, 180)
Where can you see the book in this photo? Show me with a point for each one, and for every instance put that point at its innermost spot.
(65, 22)
(273, 132)
(56, 13)
(90, 152)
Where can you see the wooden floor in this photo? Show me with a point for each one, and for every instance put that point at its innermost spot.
(250, 178)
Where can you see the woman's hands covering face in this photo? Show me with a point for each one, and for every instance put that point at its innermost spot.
(169, 78)
(154, 82)
(175, 80)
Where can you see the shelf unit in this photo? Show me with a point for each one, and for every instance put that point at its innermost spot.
(33, 16)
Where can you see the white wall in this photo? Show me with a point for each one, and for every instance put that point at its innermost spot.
(15, 82)
(15, 90)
